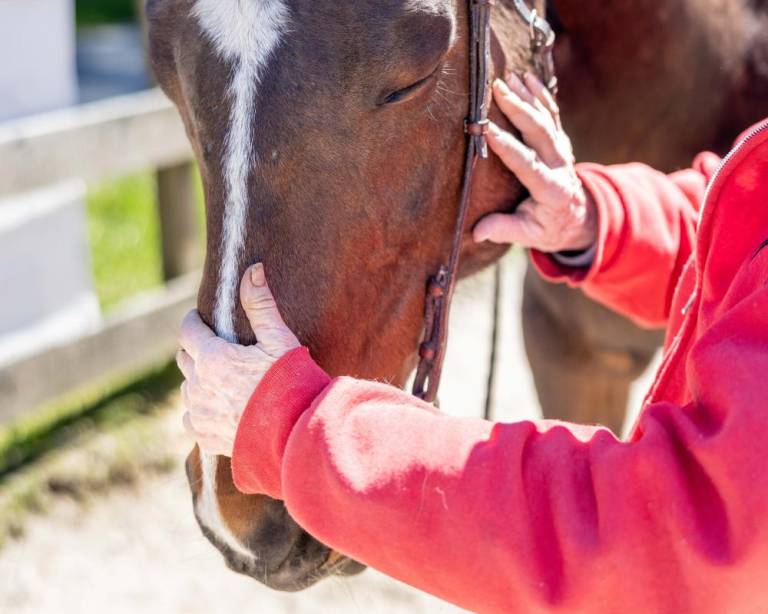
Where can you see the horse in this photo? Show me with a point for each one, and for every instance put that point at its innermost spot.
(326, 137)
(639, 82)
(330, 142)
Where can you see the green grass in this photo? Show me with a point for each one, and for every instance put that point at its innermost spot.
(105, 406)
(91, 12)
(125, 238)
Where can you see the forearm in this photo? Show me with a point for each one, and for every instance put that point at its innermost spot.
(535, 517)
(646, 233)
(520, 517)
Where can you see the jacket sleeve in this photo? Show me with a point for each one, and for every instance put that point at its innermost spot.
(647, 227)
(535, 516)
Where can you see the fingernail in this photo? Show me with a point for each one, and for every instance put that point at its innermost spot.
(493, 129)
(531, 78)
(513, 81)
(499, 85)
(258, 278)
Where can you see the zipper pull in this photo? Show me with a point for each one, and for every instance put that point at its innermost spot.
(689, 304)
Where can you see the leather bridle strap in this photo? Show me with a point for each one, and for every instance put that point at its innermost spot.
(441, 287)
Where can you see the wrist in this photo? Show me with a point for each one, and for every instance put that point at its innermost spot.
(576, 260)
(584, 238)
(283, 395)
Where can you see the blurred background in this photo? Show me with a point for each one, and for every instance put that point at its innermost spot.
(101, 235)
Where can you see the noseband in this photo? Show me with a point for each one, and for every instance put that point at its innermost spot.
(440, 288)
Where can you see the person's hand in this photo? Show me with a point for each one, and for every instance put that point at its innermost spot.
(220, 377)
(559, 215)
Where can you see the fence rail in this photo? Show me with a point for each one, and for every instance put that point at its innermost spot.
(94, 142)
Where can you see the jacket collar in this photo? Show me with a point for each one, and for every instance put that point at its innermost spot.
(734, 216)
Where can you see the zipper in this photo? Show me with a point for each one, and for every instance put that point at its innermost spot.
(684, 311)
(719, 172)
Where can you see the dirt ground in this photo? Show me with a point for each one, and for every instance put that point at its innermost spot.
(139, 550)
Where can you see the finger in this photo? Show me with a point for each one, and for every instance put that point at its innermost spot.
(194, 334)
(543, 95)
(518, 87)
(261, 309)
(189, 427)
(520, 228)
(216, 446)
(538, 132)
(186, 364)
(519, 159)
(211, 445)
(186, 398)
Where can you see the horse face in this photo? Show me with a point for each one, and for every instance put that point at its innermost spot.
(329, 137)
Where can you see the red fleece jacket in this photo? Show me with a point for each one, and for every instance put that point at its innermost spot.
(545, 516)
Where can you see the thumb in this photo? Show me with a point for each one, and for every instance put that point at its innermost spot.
(272, 334)
(506, 228)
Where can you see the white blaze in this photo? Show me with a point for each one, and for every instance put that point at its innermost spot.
(244, 33)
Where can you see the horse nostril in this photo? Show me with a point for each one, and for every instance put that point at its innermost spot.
(309, 552)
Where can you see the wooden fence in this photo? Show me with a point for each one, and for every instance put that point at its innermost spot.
(95, 142)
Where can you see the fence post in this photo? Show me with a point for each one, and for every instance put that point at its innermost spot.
(179, 228)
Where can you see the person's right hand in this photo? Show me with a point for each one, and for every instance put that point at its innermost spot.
(559, 215)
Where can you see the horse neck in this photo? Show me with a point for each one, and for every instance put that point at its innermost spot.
(603, 25)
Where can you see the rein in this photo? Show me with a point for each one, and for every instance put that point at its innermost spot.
(440, 288)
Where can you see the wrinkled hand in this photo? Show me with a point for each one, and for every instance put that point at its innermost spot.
(559, 215)
(220, 377)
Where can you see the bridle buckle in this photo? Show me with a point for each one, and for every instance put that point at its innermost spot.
(478, 128)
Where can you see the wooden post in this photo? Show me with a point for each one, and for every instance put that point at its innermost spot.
(179, 232)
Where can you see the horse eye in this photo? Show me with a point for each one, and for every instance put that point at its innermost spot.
(410, 91)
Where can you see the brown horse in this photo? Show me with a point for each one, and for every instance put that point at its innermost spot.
(327, 137)
(654, 82)
(330, 144)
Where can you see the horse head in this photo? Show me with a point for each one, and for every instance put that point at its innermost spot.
(329, 138)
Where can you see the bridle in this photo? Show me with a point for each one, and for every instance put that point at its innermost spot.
(440, 288)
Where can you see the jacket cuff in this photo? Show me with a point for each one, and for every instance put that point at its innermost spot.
(579, 260)
(610, 222)
(286, 392)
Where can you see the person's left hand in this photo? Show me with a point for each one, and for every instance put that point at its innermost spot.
(560, 214)
(220, 377)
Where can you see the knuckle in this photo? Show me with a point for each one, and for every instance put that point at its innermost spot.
(259, 302)
(530, 158)
(538, 167)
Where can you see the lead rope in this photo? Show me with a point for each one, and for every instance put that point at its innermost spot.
(490, 385)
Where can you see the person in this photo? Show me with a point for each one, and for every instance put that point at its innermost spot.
(540, 516)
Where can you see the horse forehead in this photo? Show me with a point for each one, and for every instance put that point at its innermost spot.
(242, 29)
